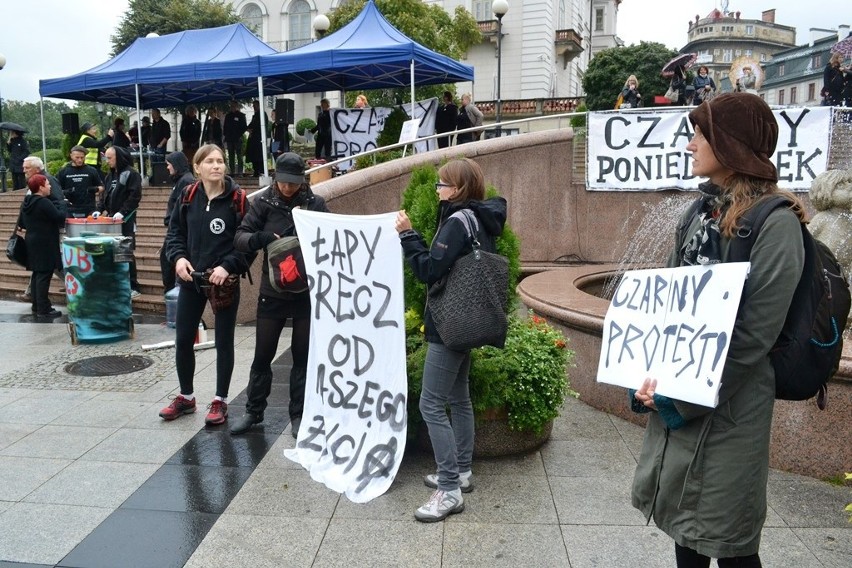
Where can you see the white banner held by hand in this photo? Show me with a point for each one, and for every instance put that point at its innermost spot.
(354, 424)
(673, 325)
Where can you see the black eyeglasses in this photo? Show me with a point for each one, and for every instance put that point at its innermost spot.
(439, 185)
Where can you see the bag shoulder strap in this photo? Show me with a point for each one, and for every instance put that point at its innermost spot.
(468, 219)
(751, 223)
(189, 192)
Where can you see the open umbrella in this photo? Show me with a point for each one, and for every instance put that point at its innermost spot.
(685, 60)
(843, 47)
(12, 126)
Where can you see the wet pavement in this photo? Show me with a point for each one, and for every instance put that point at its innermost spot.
(90, 476)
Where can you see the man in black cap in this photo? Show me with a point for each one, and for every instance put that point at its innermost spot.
(159, 137)
(270, 220)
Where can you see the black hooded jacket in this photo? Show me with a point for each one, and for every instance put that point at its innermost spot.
(42, 220)
(203, 231)
(451, 242)
(271, 214)
(182, 178)
(122, 187)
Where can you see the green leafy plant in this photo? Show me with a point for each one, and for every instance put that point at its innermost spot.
(529, 376)
(579, 121)
(849, 506)
(304, 124)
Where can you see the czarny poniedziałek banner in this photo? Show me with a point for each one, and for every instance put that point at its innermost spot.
(354, 130)
(645, 150)
(354, 423)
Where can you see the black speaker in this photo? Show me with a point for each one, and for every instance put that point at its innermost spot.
(71, 124)
(284, 110)
(159, 174)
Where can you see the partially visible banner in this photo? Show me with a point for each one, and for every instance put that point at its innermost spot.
(645, 150)
(355, 130)
(354, 424)
(673, 325)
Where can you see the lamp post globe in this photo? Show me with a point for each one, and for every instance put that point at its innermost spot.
(499, 7)
(321, 25)
(2, 61)
(152, 34)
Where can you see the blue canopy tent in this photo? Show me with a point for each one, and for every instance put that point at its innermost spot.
(366, 53)
(193, 66)
(182, 68)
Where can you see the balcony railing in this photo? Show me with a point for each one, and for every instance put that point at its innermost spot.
(530, 107)
(290, 44)
(568, 43)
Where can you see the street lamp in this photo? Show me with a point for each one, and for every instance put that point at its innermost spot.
(2, 143)
(100, 109)
(499, 7)
(321, 25)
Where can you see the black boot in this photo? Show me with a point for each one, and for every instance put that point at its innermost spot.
(298, 375)
(245, 423)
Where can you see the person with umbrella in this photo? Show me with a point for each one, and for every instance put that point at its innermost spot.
(676, 70)
(18, 150)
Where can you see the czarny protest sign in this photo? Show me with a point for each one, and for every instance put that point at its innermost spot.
(673, 325)
(355, 130)
(646, 150)
(353, 428)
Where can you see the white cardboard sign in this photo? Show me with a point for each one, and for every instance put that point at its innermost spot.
(673, 325)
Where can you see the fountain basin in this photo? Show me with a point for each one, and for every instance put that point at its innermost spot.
(805, 440)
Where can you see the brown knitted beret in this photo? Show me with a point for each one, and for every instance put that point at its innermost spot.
(742, 131)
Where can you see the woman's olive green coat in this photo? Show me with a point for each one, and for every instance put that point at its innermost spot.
(705, 483)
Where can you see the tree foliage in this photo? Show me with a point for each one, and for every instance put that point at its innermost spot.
(427, 24)
(609, 69)
(170, 16)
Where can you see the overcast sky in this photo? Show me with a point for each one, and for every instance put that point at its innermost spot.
(46, 39)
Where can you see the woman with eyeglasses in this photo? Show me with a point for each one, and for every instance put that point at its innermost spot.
(445, 373)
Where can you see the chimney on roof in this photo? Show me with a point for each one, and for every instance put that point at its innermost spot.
(842, 32)
(768, 16)
(818, 34)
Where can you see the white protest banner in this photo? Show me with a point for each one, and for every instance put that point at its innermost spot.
(355, 130)
(646, 150)
(354, 423)
(673, 325)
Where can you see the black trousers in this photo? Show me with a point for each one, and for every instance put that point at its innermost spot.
(323, 147)
(190, 307)
(235, 156)
(41, 287)
(688, 558)
(268, 333)
(19, 180)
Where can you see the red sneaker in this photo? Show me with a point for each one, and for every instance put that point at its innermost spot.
(178, 407)
(218, 412)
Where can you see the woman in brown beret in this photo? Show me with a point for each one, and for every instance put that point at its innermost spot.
(702, 472)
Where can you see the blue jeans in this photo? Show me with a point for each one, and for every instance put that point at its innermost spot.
(445, 381)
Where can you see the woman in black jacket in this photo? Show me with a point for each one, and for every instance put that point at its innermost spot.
(270, 218)
(445, 373)
(42, 221)
(201, 238)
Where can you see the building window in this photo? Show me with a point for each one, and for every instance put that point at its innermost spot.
(482, 11)
(563, 16)
(252, 17)
(727, 55)
(780, 96)
(300, 24)
(738, 52)
(763, 57)
(793, 91)
(747, 53)
(781, 70)
(749, 30)
(599, 19)
(811, 91)
(816, 61)
(716, 52)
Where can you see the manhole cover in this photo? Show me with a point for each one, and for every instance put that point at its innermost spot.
(108, 365)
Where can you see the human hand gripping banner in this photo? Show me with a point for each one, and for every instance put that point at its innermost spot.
(354, 424)
(673, 325)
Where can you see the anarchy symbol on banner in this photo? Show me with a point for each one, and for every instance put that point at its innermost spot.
(378, 462)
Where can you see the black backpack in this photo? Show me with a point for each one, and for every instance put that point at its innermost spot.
(807, 353)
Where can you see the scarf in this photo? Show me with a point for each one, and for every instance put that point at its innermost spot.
(705, 245)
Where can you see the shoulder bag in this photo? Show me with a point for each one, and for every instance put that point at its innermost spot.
(16, 249)
(468, 305)
(672, 95)
(286, 265)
